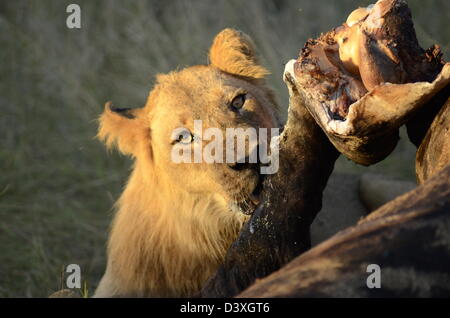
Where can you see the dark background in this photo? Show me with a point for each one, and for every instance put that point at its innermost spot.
(57, 183)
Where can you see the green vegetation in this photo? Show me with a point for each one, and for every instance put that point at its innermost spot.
(57, 183)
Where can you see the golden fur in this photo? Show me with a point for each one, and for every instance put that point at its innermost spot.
(173, 223)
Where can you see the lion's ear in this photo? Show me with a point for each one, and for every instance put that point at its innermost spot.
(121, 127)
(233, 52)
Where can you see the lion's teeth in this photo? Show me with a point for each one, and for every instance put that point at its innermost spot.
(255, 199)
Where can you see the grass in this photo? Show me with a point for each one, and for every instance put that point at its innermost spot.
(57, 183)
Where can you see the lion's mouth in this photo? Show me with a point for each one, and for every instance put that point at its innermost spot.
(251, 202)
(247, 203)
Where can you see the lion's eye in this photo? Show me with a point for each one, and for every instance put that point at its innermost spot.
(238, 102)
(185, 137)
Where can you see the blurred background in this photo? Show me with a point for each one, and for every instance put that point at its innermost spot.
(57, 183)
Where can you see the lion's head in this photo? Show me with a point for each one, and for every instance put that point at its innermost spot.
(177, 219)
(228, 93)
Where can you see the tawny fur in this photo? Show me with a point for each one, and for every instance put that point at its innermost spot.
(233, 52)
(173, 224)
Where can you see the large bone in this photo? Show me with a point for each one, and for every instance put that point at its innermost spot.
(347, 78)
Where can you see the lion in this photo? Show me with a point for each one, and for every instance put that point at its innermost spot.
(175, 221)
